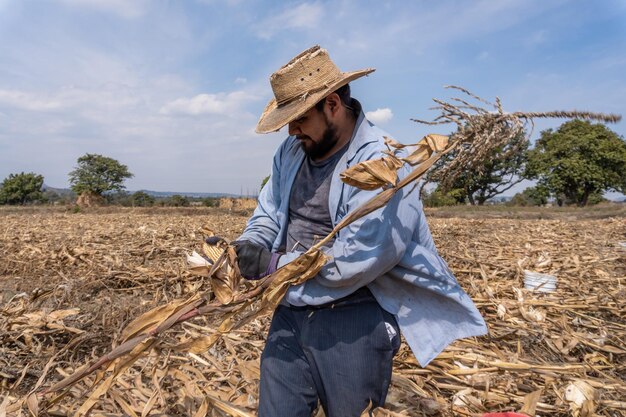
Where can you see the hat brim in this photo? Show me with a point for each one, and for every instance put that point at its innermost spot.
(275, 117)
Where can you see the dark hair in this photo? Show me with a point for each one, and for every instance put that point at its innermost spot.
(344, 96)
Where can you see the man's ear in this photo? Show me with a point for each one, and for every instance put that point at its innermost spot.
(334, 103)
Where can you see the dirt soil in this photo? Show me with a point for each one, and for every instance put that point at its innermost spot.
(71, 281)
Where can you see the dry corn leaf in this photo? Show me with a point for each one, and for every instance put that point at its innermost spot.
(304, 267)
(213, 252)
(123, 404)
(149, 406)
(203, 410)
(198, 265)
(61, 314)
(392, 143)
(226, 407)
(533, 314)
(423, 149)
(42, 320)
(501, 311)
(426, 147)
(199, 344)
(467, 397)
(152, 318)
(421, 153)
(530, 402)
(120, 367)
(250, 370)
(222, 270)
(221, 288)
(437, 143)
(581, 398)
(4, 405)
(33, 404)
(373, 174)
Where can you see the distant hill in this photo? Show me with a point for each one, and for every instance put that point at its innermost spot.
(501, 199)
(164, 194)
(156, 194)
(59, 191)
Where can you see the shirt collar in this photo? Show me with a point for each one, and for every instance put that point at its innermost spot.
(361, 135)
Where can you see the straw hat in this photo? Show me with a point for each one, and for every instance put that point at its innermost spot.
(299, 85)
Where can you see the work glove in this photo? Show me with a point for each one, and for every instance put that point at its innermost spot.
(255, 261)
(214, 240)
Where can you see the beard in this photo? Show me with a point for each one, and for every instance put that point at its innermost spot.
(317, 150)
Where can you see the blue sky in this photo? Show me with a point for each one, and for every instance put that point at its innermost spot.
(173, 89)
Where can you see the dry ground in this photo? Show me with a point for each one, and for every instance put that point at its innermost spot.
(70, 282)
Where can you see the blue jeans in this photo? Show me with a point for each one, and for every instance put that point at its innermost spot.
(340, 353)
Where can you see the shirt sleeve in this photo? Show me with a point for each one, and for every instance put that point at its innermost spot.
(263, 227)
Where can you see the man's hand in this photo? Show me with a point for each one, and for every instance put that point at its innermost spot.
(215, 240)
(255, 261)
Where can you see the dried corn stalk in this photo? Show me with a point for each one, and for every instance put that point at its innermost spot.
(482, 130)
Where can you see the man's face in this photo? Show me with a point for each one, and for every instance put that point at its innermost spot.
(315, 133)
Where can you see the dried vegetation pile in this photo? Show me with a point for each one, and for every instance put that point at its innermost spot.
(70, 283)
(237, 203)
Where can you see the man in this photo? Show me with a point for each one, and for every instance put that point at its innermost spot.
(333, 338)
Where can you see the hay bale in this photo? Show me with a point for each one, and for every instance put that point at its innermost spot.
(230, 203)
(89, 199)
(245, 203)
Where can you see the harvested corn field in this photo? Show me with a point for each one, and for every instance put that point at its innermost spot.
(71, 282)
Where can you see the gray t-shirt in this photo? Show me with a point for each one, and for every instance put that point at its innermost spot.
(309, 216)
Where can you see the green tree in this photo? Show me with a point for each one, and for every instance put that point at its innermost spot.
(531, 196)
(265, 180)
(57, 196)
(21, 188)
(211, 202)
(178, 201)
(142, 199)
(578, 161)
(499, 173)
(98, 174)
(441, 198)
(119, 198)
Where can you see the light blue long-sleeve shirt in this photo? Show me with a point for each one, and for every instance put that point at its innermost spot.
(391, 250)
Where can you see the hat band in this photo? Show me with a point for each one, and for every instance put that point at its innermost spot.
(302, 96)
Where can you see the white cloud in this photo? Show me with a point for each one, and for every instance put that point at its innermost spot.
(106, 98)
(380, 116)
(124, 8)
(220, 104)
(27, 101)
(304, 16)
(241, 80)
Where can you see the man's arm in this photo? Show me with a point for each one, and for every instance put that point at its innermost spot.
(263, 227)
